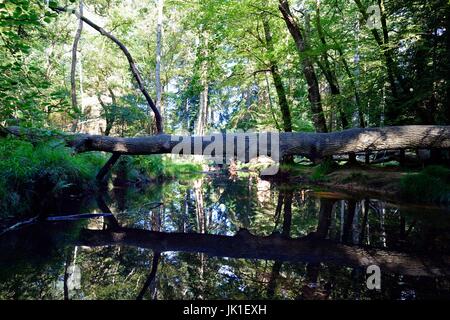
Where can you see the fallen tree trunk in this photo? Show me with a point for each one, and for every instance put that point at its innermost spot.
(250, 145)
(275, 247)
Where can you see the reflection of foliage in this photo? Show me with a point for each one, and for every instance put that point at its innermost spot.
(119, 272)
(430, 185)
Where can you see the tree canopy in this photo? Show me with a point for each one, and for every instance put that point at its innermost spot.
(323, 65)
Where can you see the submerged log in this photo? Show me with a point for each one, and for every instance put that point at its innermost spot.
(276, 247)
(276, 145)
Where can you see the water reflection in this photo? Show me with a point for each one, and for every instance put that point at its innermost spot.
(212, 238)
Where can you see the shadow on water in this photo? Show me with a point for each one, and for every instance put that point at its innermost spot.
(216, 238)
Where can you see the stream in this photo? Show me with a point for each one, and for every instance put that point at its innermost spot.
(216, 237)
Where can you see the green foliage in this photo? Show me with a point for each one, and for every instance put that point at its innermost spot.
(357, 177)
(326, 167)
(26, 91)
(157, 167)
(430, 185)
(24, 167)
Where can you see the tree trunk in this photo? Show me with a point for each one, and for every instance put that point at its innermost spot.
(109, 122)
(159, 31)
(281, 93)
(308, 68)
(392, 109)
(73, 68)
(203, 108)
(311, 145)
(362, 122)
(330, 73)
(447, 47)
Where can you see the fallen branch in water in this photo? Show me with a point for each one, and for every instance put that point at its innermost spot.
(73, 217)
(76, 217)
(19, 225)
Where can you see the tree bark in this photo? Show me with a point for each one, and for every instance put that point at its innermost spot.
(73, 68)
(281, 92)
(151, 277)
(202, 121)
(311, 145)
(392, 109)
(159, 31)
(330, 73)
(308, 68)
(134, 70)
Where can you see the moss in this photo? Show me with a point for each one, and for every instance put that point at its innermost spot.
(430, 185)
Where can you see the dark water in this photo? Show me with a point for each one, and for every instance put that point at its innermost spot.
(300, 244)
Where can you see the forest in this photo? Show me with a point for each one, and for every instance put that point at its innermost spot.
(143, 142)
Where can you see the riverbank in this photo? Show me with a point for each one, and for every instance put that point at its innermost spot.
(32, 175)
(430, 185)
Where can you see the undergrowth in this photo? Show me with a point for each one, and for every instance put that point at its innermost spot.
(323, 169)
(432, 184)
(157, 167)
(47, 167)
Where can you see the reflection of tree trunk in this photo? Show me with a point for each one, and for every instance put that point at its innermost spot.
(365, 212)
(247, 246)
(200, 210)
(287, 222)
(323, 226)
(151, 277)
(67, 273)
(348, 222)
(156, 217)
(402, 228)
(201, 227)
(185, 205)
(287, 217)
(382, 212)
(110, 221)
(273, 283)
(278, 209)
